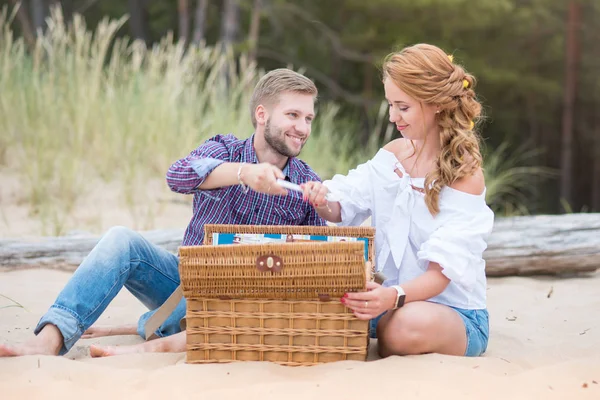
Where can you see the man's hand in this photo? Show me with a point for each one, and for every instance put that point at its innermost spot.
(262, 178)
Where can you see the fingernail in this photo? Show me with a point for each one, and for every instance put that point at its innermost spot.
(343, 300)
(345, 295)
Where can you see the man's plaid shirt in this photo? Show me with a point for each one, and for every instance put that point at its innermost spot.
(230, 205)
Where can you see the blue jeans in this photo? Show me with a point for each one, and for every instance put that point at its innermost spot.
(476, 325)
(121, 258)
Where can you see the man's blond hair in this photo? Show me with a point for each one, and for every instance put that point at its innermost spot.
(276, 82)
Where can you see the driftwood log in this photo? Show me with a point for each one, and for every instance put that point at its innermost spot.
(538, 245)
(544, 245)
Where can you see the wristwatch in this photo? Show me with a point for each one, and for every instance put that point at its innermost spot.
(401, 297)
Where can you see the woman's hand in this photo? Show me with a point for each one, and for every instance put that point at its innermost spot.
(315, 193)
(372, 303)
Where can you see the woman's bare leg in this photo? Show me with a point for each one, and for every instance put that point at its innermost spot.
(421, 327)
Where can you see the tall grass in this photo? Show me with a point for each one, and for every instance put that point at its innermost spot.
(511, 180)
(86, 107)
(12, 303)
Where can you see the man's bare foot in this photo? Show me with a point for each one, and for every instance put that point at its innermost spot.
(170, 344)
(48, 342)
(100, 331)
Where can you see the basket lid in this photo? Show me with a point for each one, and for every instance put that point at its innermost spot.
(274, 271)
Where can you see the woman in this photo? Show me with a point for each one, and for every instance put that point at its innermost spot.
(425, 194)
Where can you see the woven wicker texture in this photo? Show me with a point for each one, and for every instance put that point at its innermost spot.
(286, 332)
(308, 270)
(240, 310)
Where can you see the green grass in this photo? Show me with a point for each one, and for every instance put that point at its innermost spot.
(85, 108)
(14, 303)
(511, 181)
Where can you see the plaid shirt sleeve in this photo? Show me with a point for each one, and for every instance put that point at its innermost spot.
(312, 218)
(185, 175)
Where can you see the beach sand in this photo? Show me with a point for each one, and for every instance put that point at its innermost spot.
(544, 339)
(540, 347)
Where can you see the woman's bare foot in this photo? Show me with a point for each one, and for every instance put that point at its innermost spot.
(48, 342)
(170, 344)
(101, 331)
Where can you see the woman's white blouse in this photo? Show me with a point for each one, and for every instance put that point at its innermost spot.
(408, 237)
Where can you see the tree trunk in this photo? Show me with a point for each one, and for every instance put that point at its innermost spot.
(254, 32)
(138, 21)
(25, 22)
(230, 24)
(184, 20)
(39, 12)
(571, 65)
(596, 165)
(544, 245)
(541, 245)
(200, 22)
(368, 81)
(531, 101)
(67, 252)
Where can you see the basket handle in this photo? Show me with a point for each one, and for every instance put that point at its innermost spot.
(269, 262)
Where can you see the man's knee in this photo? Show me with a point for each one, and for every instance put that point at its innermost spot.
(121, 233)
(117, 241)
(120, 236)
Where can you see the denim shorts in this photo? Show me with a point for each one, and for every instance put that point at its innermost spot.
(476, 324)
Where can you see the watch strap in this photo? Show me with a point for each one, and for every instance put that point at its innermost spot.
(400, 298)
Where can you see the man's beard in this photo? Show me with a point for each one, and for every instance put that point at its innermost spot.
(276, 139)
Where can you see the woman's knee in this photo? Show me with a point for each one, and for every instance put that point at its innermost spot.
(405, 333)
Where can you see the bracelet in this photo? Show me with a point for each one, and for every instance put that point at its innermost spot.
(245, 188)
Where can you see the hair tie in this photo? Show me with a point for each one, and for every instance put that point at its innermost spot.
(465, 84)
(451, 57)
(472, 125)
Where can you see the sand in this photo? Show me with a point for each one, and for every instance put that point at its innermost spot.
(544, 339)
(99, 207)
(540, 347)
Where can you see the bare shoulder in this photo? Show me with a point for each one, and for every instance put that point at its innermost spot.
(471, 184)
(398, 146)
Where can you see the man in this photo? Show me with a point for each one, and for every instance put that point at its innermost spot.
(233, 182)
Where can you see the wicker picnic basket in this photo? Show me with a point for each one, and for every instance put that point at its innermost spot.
(275, 302)
(363, 232)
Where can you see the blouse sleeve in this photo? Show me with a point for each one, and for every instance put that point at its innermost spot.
(457, 245)
(354, 194)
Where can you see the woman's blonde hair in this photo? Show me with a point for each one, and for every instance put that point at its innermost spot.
(427, 74)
